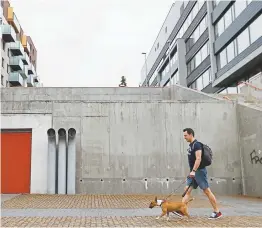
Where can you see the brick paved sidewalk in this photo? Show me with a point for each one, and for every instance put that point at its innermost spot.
(122, 211)
(129, 222)
(93, 201)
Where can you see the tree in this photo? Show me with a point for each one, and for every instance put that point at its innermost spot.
(123, 82)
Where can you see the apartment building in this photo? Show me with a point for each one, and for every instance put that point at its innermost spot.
(207, 45)
(18, 52)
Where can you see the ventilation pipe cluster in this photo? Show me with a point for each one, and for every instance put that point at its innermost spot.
(61, 161)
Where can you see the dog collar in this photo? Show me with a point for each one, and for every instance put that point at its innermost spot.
(159, 202)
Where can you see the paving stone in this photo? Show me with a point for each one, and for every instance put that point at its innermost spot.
(92, 201)
(129, 222)
(123, 211)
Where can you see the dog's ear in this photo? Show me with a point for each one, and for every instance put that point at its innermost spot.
(155, 199)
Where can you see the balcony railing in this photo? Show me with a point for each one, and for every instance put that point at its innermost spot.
(16, 79)
(30, 81)
(16, 48)
(31, 69)
(8, 33)
(16, 63)
(25, 59)
(24, 72)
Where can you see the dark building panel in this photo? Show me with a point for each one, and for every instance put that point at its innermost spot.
(210, 89)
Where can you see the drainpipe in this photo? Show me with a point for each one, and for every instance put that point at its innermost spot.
(61, 161)
(71, 165)
(51, 166)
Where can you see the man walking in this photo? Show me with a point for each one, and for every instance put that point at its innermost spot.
(198, 172)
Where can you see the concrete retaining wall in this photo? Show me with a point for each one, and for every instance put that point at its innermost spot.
(250, 128)
(131, 146)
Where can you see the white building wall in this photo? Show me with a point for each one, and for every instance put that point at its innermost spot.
(39, 150)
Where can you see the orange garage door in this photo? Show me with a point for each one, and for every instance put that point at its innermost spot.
(15, 162)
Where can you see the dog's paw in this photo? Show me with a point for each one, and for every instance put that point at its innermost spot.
(157, 217)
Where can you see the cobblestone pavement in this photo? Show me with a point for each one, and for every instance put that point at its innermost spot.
(123, 211)
(129, 222)
(91, 201)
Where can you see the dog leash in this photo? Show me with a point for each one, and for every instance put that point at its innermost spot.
(176, 189)
(179, 187)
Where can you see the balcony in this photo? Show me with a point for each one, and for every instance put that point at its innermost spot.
(16, 63)
(31, 69)
(16, 79)
(16, 48)
(30, 81)
(25, 44)
(12, 20)
(36, 78)
(25, 59)
(24, 72)
(8, 33)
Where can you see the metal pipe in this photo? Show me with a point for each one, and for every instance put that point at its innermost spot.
(51, 166)
(61, 161)
(71, 162)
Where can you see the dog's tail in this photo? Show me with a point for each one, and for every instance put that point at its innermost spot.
(190, 200)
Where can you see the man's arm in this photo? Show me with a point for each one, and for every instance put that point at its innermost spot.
(198, 160)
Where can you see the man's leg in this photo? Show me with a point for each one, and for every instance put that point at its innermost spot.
(212, 199)
(201, 179)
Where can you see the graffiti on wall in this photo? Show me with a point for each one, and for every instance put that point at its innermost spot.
(255, 158)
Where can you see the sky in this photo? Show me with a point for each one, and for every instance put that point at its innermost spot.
(91, 43)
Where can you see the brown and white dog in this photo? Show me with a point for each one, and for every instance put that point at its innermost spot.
(173, 207)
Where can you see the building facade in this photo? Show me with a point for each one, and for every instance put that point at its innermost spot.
(18, 53)
(207, 45)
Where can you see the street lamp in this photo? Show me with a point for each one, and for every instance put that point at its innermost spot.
(169, 59)
(144, 53)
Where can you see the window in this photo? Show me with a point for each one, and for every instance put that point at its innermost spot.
(204, 51)
(220, 27)
(3, 62)
(255, 29)
(7, 68)
(199, 83)
(198, 58)
(228, 17)
(238, 7)
(243, 41)
(197, 32)
(206, 78)
(231, 53)
(223, 58)
(175, 78)
(2, 80)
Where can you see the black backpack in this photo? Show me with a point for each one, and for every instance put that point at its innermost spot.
(207, 155)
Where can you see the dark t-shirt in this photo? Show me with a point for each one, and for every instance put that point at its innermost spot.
(191, 152)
